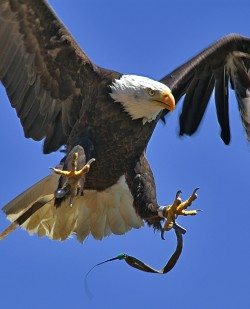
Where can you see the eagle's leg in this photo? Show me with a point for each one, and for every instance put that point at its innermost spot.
(178, 208)
(73, 177)
(72, 174)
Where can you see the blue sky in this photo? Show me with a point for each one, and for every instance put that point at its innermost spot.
(147, 38)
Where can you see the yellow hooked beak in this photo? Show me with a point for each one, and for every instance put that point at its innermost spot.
(166, 100)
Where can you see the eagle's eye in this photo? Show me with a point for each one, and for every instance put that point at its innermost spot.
(151, 92)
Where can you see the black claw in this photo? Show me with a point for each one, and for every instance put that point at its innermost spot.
(162, 234)
(195, 190)
(90, 161)
(178, 194)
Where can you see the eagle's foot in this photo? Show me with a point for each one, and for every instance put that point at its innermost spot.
(178, 208)
(74, 173)
(74, 180)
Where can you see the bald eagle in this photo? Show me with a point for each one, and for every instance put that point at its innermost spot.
(104, 121)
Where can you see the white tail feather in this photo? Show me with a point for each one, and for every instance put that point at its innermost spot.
(107, 230)
(82, 228)
(96, 213)
(43, 214)
(98, 222)
(65, 218)
(17, 206)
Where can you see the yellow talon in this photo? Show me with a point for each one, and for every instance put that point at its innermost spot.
(74, 173)
(73, 177)
(178, 208)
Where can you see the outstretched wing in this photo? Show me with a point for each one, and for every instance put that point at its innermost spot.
(43, 71)
(228, 60)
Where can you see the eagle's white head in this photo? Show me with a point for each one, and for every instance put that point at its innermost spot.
(142, 97)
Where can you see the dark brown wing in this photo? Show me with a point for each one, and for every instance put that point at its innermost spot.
(43, 70)
(212, 69)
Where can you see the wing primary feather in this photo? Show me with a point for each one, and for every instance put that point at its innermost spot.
(195, 104)
(12, 67)
(221, 102)
(14, 83)
(241, 81)
(185, 117)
